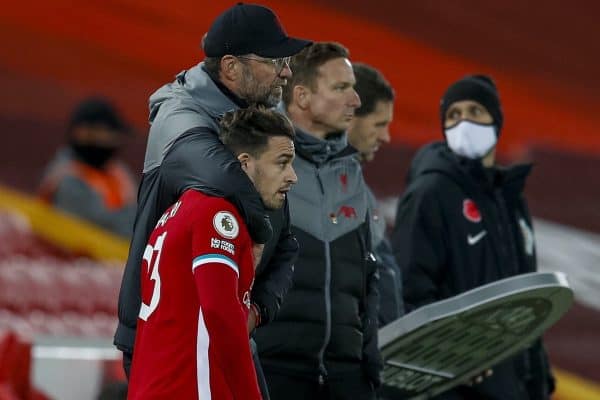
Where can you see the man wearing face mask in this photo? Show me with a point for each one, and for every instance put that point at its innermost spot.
(86, 178)
(463, 222)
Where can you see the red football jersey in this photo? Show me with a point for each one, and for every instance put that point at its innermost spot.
(196, 274)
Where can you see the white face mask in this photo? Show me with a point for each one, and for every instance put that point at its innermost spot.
(471, 140)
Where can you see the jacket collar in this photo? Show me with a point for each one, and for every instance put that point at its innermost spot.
(437, 157)
(319, 151)
(205, 92)
(511, 179)
(241, 103)
(196, 86)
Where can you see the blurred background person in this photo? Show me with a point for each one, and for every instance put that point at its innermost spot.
(463, 222)
(369, 130)
(86, 177)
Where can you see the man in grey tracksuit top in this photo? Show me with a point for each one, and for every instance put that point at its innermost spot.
(323, 342)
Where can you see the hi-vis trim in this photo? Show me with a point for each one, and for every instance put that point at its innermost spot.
(215, 258)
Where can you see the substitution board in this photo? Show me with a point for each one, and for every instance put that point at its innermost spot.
(443, 344)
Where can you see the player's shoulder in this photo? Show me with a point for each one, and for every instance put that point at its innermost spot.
(218, 211)
(207, 204)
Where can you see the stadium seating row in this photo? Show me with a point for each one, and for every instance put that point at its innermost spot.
(50, 286)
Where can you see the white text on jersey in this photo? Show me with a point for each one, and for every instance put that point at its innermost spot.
(169, 214)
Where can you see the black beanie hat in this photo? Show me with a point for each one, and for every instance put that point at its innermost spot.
(97, 110)
(479, 88)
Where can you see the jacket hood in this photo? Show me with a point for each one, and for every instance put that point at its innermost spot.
(318, 151)
(438, 158)
(196, 87)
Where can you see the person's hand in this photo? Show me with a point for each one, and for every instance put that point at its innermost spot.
(257, 250)
(253, 318)
(251, 321)
(477, 379)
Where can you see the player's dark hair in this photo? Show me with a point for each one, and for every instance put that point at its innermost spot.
(306, 63)
(371, 87)
(248, 130)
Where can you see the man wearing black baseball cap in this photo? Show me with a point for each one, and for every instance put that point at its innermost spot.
(246, 63)
(250, 28)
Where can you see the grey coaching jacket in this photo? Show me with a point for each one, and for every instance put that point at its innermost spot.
(184, 152)
(327, 324)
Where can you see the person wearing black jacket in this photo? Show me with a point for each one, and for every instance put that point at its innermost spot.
(367, 133)
(247, 61)
(463, 222)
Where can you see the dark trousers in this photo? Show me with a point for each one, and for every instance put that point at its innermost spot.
(260, 376)
(287, 387)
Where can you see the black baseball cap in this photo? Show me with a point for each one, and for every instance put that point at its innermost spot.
(250, 28)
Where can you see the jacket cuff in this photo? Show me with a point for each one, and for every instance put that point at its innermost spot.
(257, 315)
(124, 338)
(263, 312)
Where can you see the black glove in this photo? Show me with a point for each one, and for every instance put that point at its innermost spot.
(373, 372)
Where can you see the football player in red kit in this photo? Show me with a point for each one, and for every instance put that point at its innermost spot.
(197, 274)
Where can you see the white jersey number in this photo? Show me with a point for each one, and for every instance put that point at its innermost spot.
(153, 262)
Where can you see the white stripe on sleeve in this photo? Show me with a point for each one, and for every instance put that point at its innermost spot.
(215, 258)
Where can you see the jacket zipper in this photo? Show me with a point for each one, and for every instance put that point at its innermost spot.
(327, 293)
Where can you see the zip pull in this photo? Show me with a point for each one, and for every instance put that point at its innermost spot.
(371, 257)
(322, 379)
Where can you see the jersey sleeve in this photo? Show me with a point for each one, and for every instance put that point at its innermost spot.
(218, 243)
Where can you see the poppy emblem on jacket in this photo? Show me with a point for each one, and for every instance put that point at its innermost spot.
(470, 211)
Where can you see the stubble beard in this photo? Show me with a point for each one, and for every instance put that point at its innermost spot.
(270, 200)
(255, 94)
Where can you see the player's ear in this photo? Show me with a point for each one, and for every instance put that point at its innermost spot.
(244, 158)
(230, 68)
(301, 96)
